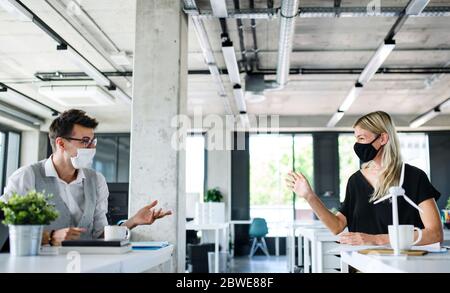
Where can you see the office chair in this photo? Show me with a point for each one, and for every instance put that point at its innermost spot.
(258, 230)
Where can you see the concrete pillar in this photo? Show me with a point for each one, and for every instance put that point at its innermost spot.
(159, 94)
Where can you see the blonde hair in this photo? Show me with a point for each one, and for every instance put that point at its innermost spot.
(391, 162)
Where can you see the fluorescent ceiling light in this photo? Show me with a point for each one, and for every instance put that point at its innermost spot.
(215, 74)
(121, 95)
(239, 98)
(122, 58)
(85, 65)
(16, 9)
(230, 61)
(243, 117)
(351, 97)
(219, 8)
(79, 96)
(335, 119)
(255, 97)
(376, 61)
(415, 7)
(13, 95)
(445, 104)
(21, 115)
(422, 119)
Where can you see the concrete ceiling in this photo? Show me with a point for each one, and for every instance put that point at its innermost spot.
(319, 43)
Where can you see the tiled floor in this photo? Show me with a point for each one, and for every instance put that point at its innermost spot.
(258, 264)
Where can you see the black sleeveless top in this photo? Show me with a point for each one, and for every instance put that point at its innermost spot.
(366, 217)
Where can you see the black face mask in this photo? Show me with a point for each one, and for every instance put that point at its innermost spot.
(365, 151)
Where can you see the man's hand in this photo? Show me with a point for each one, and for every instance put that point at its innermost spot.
(361, 239)
(71, 233)
(147, 215)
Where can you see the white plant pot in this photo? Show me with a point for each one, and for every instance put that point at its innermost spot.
(209, 213)
(216, 212)
(25, 240)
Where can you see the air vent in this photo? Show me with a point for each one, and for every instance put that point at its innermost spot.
(77, 96)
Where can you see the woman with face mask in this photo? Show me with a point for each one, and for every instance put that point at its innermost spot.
(378, 148)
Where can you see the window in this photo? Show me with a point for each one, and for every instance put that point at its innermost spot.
(304, 163)
(415, 150)
(195, 165)
(272, 156)
(2, 156)
(112, 157)
(9, 154)
(348, 161)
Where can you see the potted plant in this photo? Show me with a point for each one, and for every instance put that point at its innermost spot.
(26, 215)
(213, 195)
(214, 205)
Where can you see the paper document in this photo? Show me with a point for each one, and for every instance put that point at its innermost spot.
(150, 244)
(435, 247)
(346, 247)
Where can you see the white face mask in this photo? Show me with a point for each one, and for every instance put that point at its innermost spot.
(83, 159)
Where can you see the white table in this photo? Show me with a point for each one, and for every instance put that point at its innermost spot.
(216, 228)
(290, 243)
(321, 240)
(131, 262)
(430, 263)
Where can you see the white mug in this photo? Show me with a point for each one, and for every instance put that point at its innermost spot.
(117, 233)
(405, 236)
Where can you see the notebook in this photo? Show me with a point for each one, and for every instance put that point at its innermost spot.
(95, 243)
(95, 249)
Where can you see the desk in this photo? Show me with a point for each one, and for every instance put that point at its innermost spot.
(430, 263)
(321, 240)
(216, 227)
(290, 243)
(131, 262)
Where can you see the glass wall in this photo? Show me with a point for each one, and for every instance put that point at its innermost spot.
(272, 156)
(9, 155)
(112, 157)
(195, 165)
(415, 150)
(348, 161)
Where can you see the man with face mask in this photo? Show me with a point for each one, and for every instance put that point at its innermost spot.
(80, 194)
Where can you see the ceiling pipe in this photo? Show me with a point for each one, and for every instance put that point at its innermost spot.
(327, 12)
(190, 7)
(288, 13)
(414, 7)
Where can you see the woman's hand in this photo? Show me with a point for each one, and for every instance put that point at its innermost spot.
(355, 238)
(71, 233)
(147, 215)
(299, 184)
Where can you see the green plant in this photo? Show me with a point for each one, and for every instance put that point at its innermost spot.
(213, 195)
(30, 209)
(448, 204)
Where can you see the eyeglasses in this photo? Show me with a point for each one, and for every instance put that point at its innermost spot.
(86, 141)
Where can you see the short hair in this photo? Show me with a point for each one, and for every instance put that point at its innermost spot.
(63, 125)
